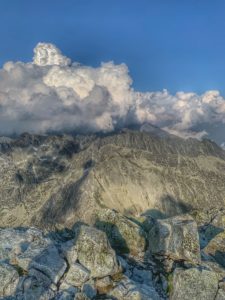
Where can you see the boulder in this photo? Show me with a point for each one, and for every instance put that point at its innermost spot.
(34, 289)
(220, 295)
(95, 252)
(77, 275)
(125, 236)
(216, 248)
(216, 268)
(65, 287)
(127, 289)
(141, 275)
(221, 291)
(14, 242)
(69, 251)
(194, 284)
(175, 238)
(9, 279)
(104, 285)
(31, 252)
(48, 261)
(211, 222)
(89, 289)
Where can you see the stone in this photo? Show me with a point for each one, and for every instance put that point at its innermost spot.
(81, 296)
(211, 222)
(122, 263)
(48, 261)
(95, 252)
(220, 295)
(194, 284)
(127, 289)
(9, 279)
(89, 289)
(69, 251)
(14, 242)
(175, 238)
(215, 267)
(41, 277)
(77, 275)
(31, 252)
(216, 248)
(141, 275)
(125, 236)
(33, 288)
(104, 285)
(64, 295)
(64, 286)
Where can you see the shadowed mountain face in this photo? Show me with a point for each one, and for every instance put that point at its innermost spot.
(51, 181)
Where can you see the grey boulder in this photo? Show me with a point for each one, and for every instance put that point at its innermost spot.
(48, 261)
(95, 252)
(175, 238)
(77, 275)
(127, 289)
(194, 284)
(216, 248)
(125, 236)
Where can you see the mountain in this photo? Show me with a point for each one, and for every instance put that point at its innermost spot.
(56, 180)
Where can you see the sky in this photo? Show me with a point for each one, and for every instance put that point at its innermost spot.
(100, 65)
(177, 45)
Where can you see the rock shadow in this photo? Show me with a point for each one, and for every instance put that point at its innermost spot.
(116, 240)
(60, 204)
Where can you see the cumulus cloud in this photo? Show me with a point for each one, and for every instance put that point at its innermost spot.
(48, 55)
(53, 94)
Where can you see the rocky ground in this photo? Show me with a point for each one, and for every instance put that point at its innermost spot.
(119, 258)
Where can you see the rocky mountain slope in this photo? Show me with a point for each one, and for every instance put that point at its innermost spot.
(56, 180)
(133, 215)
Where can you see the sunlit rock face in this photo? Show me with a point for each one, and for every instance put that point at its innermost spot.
(48, 55)
(55, 181)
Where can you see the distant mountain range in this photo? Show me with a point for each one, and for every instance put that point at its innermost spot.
(55, 180)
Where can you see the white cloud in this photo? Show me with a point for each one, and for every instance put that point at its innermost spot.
(48, 55)
(52, 94)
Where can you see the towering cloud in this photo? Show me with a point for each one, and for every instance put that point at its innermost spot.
(48, 55)
(52, 94)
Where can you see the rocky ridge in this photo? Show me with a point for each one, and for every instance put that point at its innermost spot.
(175, 260)
(54, 181)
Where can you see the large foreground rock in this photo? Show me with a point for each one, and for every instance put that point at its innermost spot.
(193, 284)
(30, 251)
(48, 261)
(124, 235)
(176, 238)
(94, 252)
(15, 242)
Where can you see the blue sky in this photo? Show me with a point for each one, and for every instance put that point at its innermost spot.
(173, 44)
